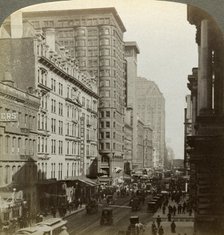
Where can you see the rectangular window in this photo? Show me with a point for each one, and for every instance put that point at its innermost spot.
(67, 128)
(102, 135)
(60, 109)
(83, 101)
(107, 113)
(68, 147)
(107, 134)
(107, 145)
(107, 124)
(102, 146)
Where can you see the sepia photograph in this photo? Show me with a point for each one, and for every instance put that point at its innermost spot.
(112, 117)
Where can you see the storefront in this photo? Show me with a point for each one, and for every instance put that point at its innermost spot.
(80, 187)
(11, 204)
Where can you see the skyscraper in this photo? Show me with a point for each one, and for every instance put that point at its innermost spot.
(95, 37)
(151, 109)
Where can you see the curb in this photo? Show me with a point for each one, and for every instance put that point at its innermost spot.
(74, 212)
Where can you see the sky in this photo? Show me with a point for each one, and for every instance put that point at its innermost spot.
(168, 50)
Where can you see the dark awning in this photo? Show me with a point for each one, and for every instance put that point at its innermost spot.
(82, 179)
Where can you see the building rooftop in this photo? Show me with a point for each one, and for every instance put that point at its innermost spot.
(77, 12)
(132, 44)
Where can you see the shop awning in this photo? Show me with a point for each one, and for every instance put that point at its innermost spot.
(82, 179)
(47, 181)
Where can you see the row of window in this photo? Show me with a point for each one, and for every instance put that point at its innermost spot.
(8, 172)
(13, 144)
(24, 120)
(107, 146)
(107, 114)
(94, 42)
(92, 32)
(94, 52)
(72, 169)
(75, 22)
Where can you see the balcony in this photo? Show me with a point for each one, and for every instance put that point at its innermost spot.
(12, 129)
(92, 111)
(43, 110)
(43, 156)
(44, 132)
(25, 130)
(44, 89)
(25, 156)
(74, 101)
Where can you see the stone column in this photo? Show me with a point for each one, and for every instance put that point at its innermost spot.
(204, 73)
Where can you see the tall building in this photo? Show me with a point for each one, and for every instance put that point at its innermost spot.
(151, 109)
(67, 121)
(148, 147)
(131, 53)
(187, 132)
(128, 140)
(206, 143)
(18, 144)
(144, 146)
(95, 37)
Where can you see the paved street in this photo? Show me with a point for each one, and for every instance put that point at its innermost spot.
(83, 224)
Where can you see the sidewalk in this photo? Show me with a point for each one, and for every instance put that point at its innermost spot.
(184, 222)
(182, 228)
(82, 208)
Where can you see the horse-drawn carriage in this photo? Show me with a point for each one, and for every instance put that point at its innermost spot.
(135, 203)
(107, 216)
(92, 207)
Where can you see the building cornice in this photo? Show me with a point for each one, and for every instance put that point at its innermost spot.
(77, 12)
(45, 61)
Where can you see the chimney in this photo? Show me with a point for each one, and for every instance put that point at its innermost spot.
(16, 24)
(50, 38)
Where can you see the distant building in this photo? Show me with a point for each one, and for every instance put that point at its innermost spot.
(151, 109)
(178, 164)
(148, 147)
(168, 163)
(144, 147)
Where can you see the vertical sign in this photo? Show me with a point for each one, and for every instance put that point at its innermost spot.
(82, 147)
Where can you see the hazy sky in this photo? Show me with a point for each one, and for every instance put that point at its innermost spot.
(167, 50)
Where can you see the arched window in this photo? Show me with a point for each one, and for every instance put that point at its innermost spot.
(1, 175)
(7, 174)
(13, 171)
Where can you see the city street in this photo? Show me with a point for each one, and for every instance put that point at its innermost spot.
(121, 214)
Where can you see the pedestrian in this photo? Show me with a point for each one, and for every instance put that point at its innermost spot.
(161, 231)
(190, 211)
(173, 227)
(158, 221)
(154, 229)
(184, 207)
(153, 226)
(169, 217)
(164, 209)
(174, 210)
(170, 208)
